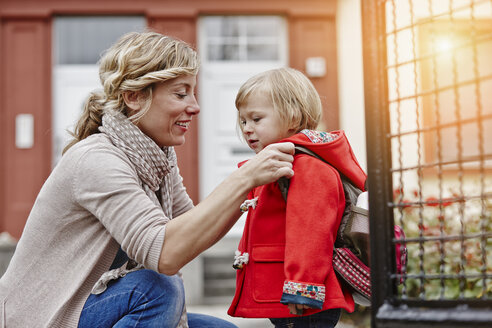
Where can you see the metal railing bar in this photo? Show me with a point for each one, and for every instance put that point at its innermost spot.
(442, 303)
(444, 201)
(443, 238)
(468, 159)
(433, 18)
(446, 88)
(482, 39)
(435, 276)
(442, 126)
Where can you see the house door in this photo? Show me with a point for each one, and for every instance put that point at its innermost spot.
(232, 49)
(78, 43)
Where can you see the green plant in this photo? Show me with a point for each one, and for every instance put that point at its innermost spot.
(360, 318)
(449, 247)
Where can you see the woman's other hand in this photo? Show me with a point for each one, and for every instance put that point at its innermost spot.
(270, 164)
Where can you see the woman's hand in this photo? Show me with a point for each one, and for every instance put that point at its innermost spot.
(270, 164)
(196, 230)
(297, 308)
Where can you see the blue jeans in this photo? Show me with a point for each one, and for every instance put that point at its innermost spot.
(324, 319)
(143, 298)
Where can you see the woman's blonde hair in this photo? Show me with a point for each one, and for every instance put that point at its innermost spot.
(135, 63)
(293, 96)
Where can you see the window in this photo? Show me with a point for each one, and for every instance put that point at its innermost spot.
(244, 38)
(456, 86)
(78, 44)
(82, 39)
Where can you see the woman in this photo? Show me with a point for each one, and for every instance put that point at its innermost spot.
(118, 187)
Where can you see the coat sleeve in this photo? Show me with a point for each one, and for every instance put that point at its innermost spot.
(315, 204)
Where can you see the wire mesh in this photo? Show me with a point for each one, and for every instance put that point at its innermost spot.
(439, 73)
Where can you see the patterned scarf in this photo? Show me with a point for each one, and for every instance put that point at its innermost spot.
(153, 165)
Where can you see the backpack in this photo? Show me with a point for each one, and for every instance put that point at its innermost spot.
(351, 256)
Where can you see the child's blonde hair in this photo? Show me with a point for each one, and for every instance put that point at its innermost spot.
(292, 94)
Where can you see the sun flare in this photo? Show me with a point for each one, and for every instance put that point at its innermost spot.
(444, 45)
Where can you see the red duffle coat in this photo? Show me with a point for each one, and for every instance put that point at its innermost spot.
(289, 246)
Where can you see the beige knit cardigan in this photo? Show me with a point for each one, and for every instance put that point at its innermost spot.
(91, 203)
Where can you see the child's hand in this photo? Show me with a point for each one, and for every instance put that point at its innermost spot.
(297, 308)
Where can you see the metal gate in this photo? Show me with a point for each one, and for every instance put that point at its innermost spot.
(428, 94)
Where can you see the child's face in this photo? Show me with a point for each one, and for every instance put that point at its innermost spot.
(260, 123)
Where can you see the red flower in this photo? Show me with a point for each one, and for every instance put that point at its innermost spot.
(432, 201)
(397, 192)
(447, 202)
(403, 204)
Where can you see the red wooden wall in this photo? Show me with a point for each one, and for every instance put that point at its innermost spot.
(25, 89)
(25, 71)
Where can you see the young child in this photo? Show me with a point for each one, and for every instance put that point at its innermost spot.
(284, 258)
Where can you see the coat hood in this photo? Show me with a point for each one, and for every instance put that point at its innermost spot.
(335, 149)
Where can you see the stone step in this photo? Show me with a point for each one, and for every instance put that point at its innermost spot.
(222, 300)
(219, 287)
(7, 248)
(219, 276)
(218, 267)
